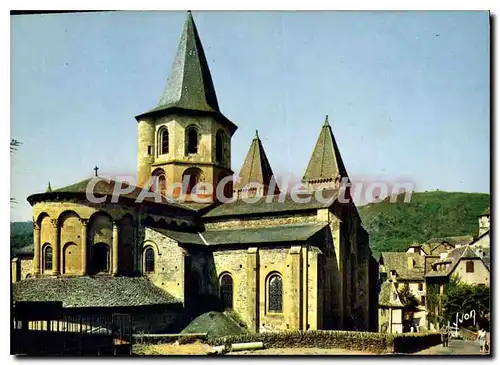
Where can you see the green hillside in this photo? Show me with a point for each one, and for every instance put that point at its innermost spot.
(21, 234)
(393, 226)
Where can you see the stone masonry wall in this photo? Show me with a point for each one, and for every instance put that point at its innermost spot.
(169, 262)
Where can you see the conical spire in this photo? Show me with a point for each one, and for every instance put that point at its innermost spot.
(49, 188)
(190, 84)
(326, 162)
(256, 167)
(189, 87)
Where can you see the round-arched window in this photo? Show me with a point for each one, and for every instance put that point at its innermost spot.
(149, 260)
(226, 291)
(47, 257)
(275, 290)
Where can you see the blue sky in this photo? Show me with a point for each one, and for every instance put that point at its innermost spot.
(407, 93)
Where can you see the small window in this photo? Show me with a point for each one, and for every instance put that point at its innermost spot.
(219, 146)
(164, 142)
(422, 300)
(226, 291)
(420, 286)
(149, 260)
(469, 266)
(275, 294)
(149, 150)
(192, 141)
(47, 257)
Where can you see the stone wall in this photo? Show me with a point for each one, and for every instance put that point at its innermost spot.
(22, 268)
(481, 274)
(177, 160)
(250, 222)
(71, 228)
(169, 262)
(234, 263)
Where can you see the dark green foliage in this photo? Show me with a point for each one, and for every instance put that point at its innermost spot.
(357, 341)
(394, 226)
(21, 235)
(462, 298)
(434, 304)
(408, 299)
(214, 324)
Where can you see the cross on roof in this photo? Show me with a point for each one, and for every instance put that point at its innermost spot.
(95, 169)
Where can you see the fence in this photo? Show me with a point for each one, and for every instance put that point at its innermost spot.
(81, 334)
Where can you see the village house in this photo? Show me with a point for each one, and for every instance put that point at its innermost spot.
(434, 263)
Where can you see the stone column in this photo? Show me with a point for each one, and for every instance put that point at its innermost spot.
(36, 243)
(84, 256)
(253, 289)
(293, 298)
(314, 308)
(55, 247)
(115, 248)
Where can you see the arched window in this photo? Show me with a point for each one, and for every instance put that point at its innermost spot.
(100, 257)
(164, 142)
(275, 290)
(149, 260)
(160, 184)
(219, 146)
(226, 291)
(47, 257)
(228, 187)
(191, 140)
(194, 178)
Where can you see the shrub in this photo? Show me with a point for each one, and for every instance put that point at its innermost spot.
(373, 342)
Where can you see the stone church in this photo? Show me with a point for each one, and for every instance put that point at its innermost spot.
(276, 264)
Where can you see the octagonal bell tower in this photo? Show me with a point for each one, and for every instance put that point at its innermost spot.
(186, 137)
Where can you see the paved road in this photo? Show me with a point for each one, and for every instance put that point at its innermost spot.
(456, 347)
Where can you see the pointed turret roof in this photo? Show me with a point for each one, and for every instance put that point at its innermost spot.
(325, 162)
(49, 188)
(256, 167)
(189, 87)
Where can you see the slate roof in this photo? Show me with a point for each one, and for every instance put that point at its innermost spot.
(190, 86)
(454, 257)
(325, 162)
(431, 244)
(388, 296)
(86, 291)
(277, 205)
(256, 167)
(398, 261)
(104, 187)
(256, 235)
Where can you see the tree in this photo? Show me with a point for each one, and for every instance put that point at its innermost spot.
(14, 143)
(463, 298)
(410, 303)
